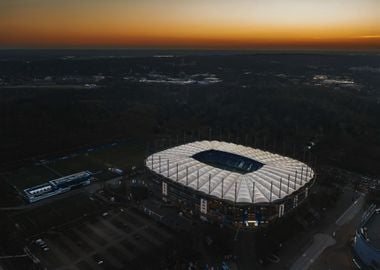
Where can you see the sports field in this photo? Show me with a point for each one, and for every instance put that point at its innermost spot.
(123, 155)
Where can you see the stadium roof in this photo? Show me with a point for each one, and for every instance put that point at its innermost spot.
(220, 172)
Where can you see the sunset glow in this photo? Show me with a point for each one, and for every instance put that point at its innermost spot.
(345, 24)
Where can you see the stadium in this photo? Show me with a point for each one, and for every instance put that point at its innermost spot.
(229, 184)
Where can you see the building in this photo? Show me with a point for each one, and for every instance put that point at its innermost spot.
(374, 192)
(229, 183)
(57, 186)
(367, 240)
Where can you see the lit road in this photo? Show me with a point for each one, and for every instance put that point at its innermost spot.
(351, 212)
(320, 243)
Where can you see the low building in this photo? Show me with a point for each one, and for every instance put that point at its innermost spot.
(367, 241)
(57, 186)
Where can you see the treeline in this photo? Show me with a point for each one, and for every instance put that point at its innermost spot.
(251, 101)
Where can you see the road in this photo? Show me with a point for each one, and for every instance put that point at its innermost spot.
(351, 212)
(321, 241)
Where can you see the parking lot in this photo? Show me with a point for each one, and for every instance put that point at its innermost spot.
(117, 239)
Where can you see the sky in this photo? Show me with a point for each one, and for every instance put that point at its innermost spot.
(220, 24)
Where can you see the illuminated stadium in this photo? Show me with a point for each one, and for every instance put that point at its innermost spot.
(229, 183)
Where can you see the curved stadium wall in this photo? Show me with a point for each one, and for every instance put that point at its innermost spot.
(230, 183)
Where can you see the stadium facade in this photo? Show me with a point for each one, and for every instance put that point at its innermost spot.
(57, 186)
(367, 240)
(228, 183)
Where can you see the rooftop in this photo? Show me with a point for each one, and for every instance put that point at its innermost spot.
(373, 232)
(71, 177)
(43, 188)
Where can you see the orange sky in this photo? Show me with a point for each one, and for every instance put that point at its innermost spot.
(250, 24)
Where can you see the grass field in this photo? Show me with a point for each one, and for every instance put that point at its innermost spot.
(123, 155)
(30, 176)
(76, 164)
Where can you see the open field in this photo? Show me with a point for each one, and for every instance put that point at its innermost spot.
(30, 176)
(122, 155)
(75, 164)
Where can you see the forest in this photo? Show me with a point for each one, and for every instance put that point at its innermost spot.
(277, 101)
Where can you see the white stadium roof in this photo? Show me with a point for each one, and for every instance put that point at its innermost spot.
(278, 172)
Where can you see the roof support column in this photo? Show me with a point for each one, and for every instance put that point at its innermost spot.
(209, 183)
(253, 192)
(159, 162)
(271, 189)
(187, 175)
(235, 191)
(198, 179)
(177, 173)
(222, 188)
(167, 163)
